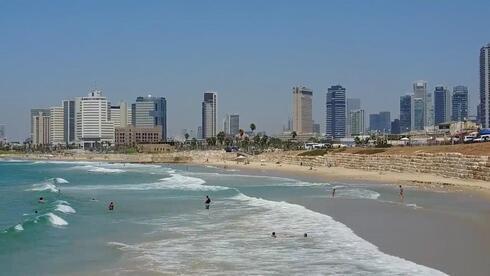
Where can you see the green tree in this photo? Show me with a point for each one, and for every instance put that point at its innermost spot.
(294, 134)
(357, 140)
(186, 136)
(256, 139)
(252, 127)
(221, 137)
(264, 141)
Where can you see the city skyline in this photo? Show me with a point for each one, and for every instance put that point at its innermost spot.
(67, 59)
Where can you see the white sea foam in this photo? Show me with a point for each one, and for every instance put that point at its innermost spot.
(96, 169)
(356, 193)
(19, 227)
(278, 181)
(65, 209)
(233, 238)
(43, 186)
(55, 220)
(60, 180)
(173, 182)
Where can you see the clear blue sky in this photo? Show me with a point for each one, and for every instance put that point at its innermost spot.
(250, 52)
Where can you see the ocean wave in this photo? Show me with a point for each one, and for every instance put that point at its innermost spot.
(19, 228)
(173, 182)
(43, 186)
(234, 238)
(278, 181)
(355, 193)
(96, 169)
(55, 220)
(65, 209)
(60, 180)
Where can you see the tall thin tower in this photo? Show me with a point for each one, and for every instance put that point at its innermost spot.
(485, 86)
(209, 110)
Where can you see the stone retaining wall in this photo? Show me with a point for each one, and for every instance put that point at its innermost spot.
(444, 164)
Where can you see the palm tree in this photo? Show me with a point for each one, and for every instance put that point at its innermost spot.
(221, 137)
(252, 127)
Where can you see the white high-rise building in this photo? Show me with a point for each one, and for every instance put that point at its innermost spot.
(357, 122)
(56, 125)
(120, 115)
(40, 128)
(484, 106)
(92, 116)
(302, 110)
(209, 111)
(352, 104)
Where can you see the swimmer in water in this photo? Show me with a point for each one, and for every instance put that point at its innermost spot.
(41, 200)
(274, 235)
(207, 203)
(402, 195)
(305, 235)
(111, 206)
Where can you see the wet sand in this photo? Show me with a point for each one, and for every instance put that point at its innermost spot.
(449, 231)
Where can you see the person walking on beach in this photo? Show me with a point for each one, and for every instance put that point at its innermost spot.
(207, 202)
(402, 196)
(111, 206)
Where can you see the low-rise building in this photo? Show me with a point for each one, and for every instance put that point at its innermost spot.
(155, 148)
(130, 136)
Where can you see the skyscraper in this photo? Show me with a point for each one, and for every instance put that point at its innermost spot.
(302, 110)
(460, 103)
(234, 124)
(120, 115)
(35, 112)
(357, 122)
(2, 133)
(442, 105)
(56, 125)
(40, 128)
(352, 104)
(69, 122)
(316, 128)
(92, 119)
(231, 124)
(485, 86)
(335, 112)
(380, 122)
(405, 113)
(149, 112)
(417, 119)
(209, 111)
(420, 92)
(395, 126)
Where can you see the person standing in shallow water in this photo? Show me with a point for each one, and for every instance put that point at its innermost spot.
(207, 202)
(402, 196)
(111, 206)
(333, 192)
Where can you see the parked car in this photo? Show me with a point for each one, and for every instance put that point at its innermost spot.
(485, 138)
(469, 139)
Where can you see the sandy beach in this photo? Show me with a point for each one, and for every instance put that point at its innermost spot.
(338, 174)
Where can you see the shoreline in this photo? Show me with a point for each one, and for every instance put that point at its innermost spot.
(422, 181)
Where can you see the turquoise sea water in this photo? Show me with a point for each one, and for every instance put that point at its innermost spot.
(160, 225)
